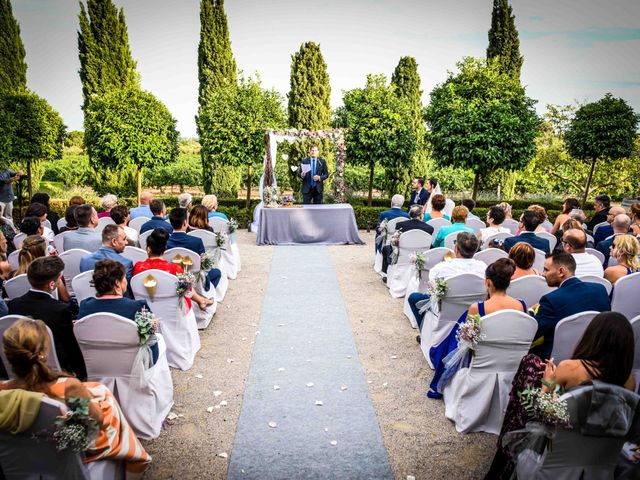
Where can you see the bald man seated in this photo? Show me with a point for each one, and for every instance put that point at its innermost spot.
(606, 231)
(142, 210)
(575, 243)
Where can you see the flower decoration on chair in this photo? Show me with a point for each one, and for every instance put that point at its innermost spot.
(147, 324)
(418, 259)
(208, 261)
(221, 240)
(76, 429)
(395, 248)
(545, 407)
(437, 289)
(469, 333)
(384, 231)
(233, 226)
(184, 285)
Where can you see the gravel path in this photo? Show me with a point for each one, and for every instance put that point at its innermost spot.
(419, 440)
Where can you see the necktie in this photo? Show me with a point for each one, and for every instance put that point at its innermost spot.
(313, 171)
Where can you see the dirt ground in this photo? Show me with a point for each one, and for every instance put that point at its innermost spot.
(419, 440)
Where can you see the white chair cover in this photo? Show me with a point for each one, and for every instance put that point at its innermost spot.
(596, 279)
(58, 241)
(134, 254)
(635, 325)
(551, 238)
(137, 223)
(624, 298)
(227, 259)
(495, 236)
(52, 359)
(538, 263)
(71, 259)
(142, 239)
(490, 255)
(391, 228)
(590, 238)
(449, 205)
(17, 286)
(110, 347)
(596, 253)
(209, 241)
(475, 223)
(477, 396)
(437, 224)
(463, 290)
(512, 225)
(431, 258)
(82, 286)
(398, 275)
(18, 240)
(14, 259)
(177, 326)
(103, 222)
(47, 223)
(568, 333)
(547, 225)
(450, 240)
(530, 289)
(62, 222)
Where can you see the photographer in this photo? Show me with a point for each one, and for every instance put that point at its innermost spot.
(7, 178)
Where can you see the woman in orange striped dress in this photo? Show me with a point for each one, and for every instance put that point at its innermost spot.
(26, 345)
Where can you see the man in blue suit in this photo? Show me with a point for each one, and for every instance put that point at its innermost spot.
(396, 211)
(114, 239)
(572, 296)
(528, 223)
(313, 172)
(419, 195)
(179, 220)
(159, 211)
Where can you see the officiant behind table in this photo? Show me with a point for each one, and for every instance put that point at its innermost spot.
(313, 172)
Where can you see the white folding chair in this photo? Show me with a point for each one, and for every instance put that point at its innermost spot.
(178, 326)
(82, 286)
(137, 223)
(490, 255)
(103, 222)
(512, 225)
(142, 239)
(568, 333)
(596, 279)
(17, 286)
(58, 241)
(475, 223)
(450, 241)
(62, 222)
(110, 347)
(227, 258)
(398, 274)
(462, 290)
(134, 254)
(538, 263)
(14, 259)
(624, 298)
(550, 238)
(530, 289)
(437, 224)
(449, 205)
(477, 396)
(391, 228)
(495, 236)
(596, 253)
(18, 240)
(71, 259)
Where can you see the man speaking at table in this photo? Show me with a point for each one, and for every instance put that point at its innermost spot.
(313, 172)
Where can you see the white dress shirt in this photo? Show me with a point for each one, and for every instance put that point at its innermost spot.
(587, 264)
(448, 268)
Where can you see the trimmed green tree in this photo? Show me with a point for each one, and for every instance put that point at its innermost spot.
(216, 74)
(381, 130)
(30, 130)
(13, 69)
(504, 42)
(130, 128)
(602, 130)
(481, 119)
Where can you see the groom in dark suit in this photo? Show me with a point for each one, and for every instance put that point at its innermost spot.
(313, 172)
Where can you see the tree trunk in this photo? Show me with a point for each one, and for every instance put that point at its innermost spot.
(370, 183)
(29, 184)
(586, 187)
(248, 204)
(476, 185)
(139, 184)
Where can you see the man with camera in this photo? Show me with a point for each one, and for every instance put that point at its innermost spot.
(7, 178)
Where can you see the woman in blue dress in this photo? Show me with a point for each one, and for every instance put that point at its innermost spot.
(497, 280)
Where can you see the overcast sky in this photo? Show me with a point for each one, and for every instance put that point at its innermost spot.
(573, 49)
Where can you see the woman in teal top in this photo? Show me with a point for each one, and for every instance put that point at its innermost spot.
(438, 203)
(459, 216)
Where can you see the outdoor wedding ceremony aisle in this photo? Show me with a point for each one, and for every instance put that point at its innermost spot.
(323, 304)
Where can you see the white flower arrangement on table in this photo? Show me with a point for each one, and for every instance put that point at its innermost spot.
(270, 196)
(232, 225)
(76, 429)
(147, 324)
(418, 259)
(469, 333)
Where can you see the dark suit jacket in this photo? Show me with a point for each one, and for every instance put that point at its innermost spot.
(57, 316)
(416, 199)
(573, 296)
(602, 233)
(321, 169)
(414, 224)
(530, 238)
(156, 222)
(181, 239)
(599, 217)
(604, 247)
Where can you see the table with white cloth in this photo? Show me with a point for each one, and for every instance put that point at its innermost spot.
(332, 224)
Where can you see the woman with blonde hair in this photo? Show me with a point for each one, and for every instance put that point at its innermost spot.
(625, 250)
(210, 202)
(26, 346)
(507, 210)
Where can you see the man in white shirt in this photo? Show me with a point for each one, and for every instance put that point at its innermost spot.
(466, 246)
(575, 243)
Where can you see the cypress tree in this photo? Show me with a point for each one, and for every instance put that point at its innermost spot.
(504, 41)
(106, 63)
(13, 69)
(216, 73)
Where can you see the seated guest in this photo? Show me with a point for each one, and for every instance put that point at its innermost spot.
(414, 223)
(53, 217)
(438, 202)
(395, 212)
(26, 345)
(507, 210)
(571, 224)
(32, 226)
(529, 221)
(575, 243)
(568, 205)
(40, 211)
(158, 219)
(634, 213)
(45, 276)
(185, 200)
(35, 246)
(458, 217)
(86, 236)
(113, 242)
(143, 209)
(541, 212)
(605, 231)
(210, 202)
(77, 200)
(179, 238)
(70, 219)
(156, 246)
(470, 204)
(601, 205)
(620, 226)
(495, 217)
(466, 246)
(419, 195)
(120, 216)
(523, 256)
(107, 203)
(199, 218)
(9, 233)
(572, 296)
(625, 250)
(497, 279)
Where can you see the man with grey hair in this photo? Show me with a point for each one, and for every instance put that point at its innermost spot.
(114, 239)
(620, 226)
(396, 211)
(414, 223)
(185, 200)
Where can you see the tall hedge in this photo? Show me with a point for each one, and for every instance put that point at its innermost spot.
(13, 69)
